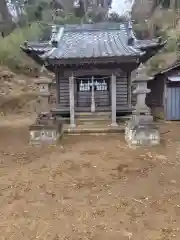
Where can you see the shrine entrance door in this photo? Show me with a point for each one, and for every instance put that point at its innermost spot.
(93, 93)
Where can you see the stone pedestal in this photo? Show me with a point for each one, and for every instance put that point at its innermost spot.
(45, 134)
(46, 129)
(140, 129)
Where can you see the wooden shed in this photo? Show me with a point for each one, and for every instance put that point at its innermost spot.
(164, 98)
(93, 65)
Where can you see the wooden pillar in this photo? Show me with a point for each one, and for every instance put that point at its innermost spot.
(113, 100)
(129, 90)
(92, 96)
(173, 4)
(71, 101)
(57, 87)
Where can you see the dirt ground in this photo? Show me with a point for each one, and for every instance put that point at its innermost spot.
(89, 187)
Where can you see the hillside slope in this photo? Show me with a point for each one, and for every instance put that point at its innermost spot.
(17, 93)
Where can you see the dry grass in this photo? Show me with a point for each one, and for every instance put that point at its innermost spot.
(89, 188)
(18, 93)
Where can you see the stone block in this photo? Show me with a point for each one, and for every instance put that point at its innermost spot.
(141, 134)
(42, 133)
(142, 119)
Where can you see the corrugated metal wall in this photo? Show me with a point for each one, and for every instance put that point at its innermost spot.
(173, 103)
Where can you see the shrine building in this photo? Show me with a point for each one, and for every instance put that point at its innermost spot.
(93, 64)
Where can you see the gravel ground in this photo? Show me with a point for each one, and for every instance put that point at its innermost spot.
(89, 187)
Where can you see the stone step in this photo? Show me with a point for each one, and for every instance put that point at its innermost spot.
(89, 120)
(89, 115)
(123, 118)
(93, 118)
(92, 113)
(95, 129)
(100, 118)
(92, 121)
(93, 133)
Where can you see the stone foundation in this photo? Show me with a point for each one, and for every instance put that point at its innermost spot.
(44, 134)
(46, 130)
(141, 132)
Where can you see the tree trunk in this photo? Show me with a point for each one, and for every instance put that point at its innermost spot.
(6, 17)
(172, 4)
(6, 21)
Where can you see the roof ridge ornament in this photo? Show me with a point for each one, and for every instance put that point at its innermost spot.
(159, 40)
(26, 43)
(57, 37)
(53, 32)
(130, 33)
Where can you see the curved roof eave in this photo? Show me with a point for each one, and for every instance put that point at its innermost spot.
(35, 56)
(148, 44)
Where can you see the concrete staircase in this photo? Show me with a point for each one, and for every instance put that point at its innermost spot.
(93, 124)
(88, 118)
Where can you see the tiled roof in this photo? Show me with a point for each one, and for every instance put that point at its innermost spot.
(91, 41)
(39, 47)
(94, 43)
(174, 65)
